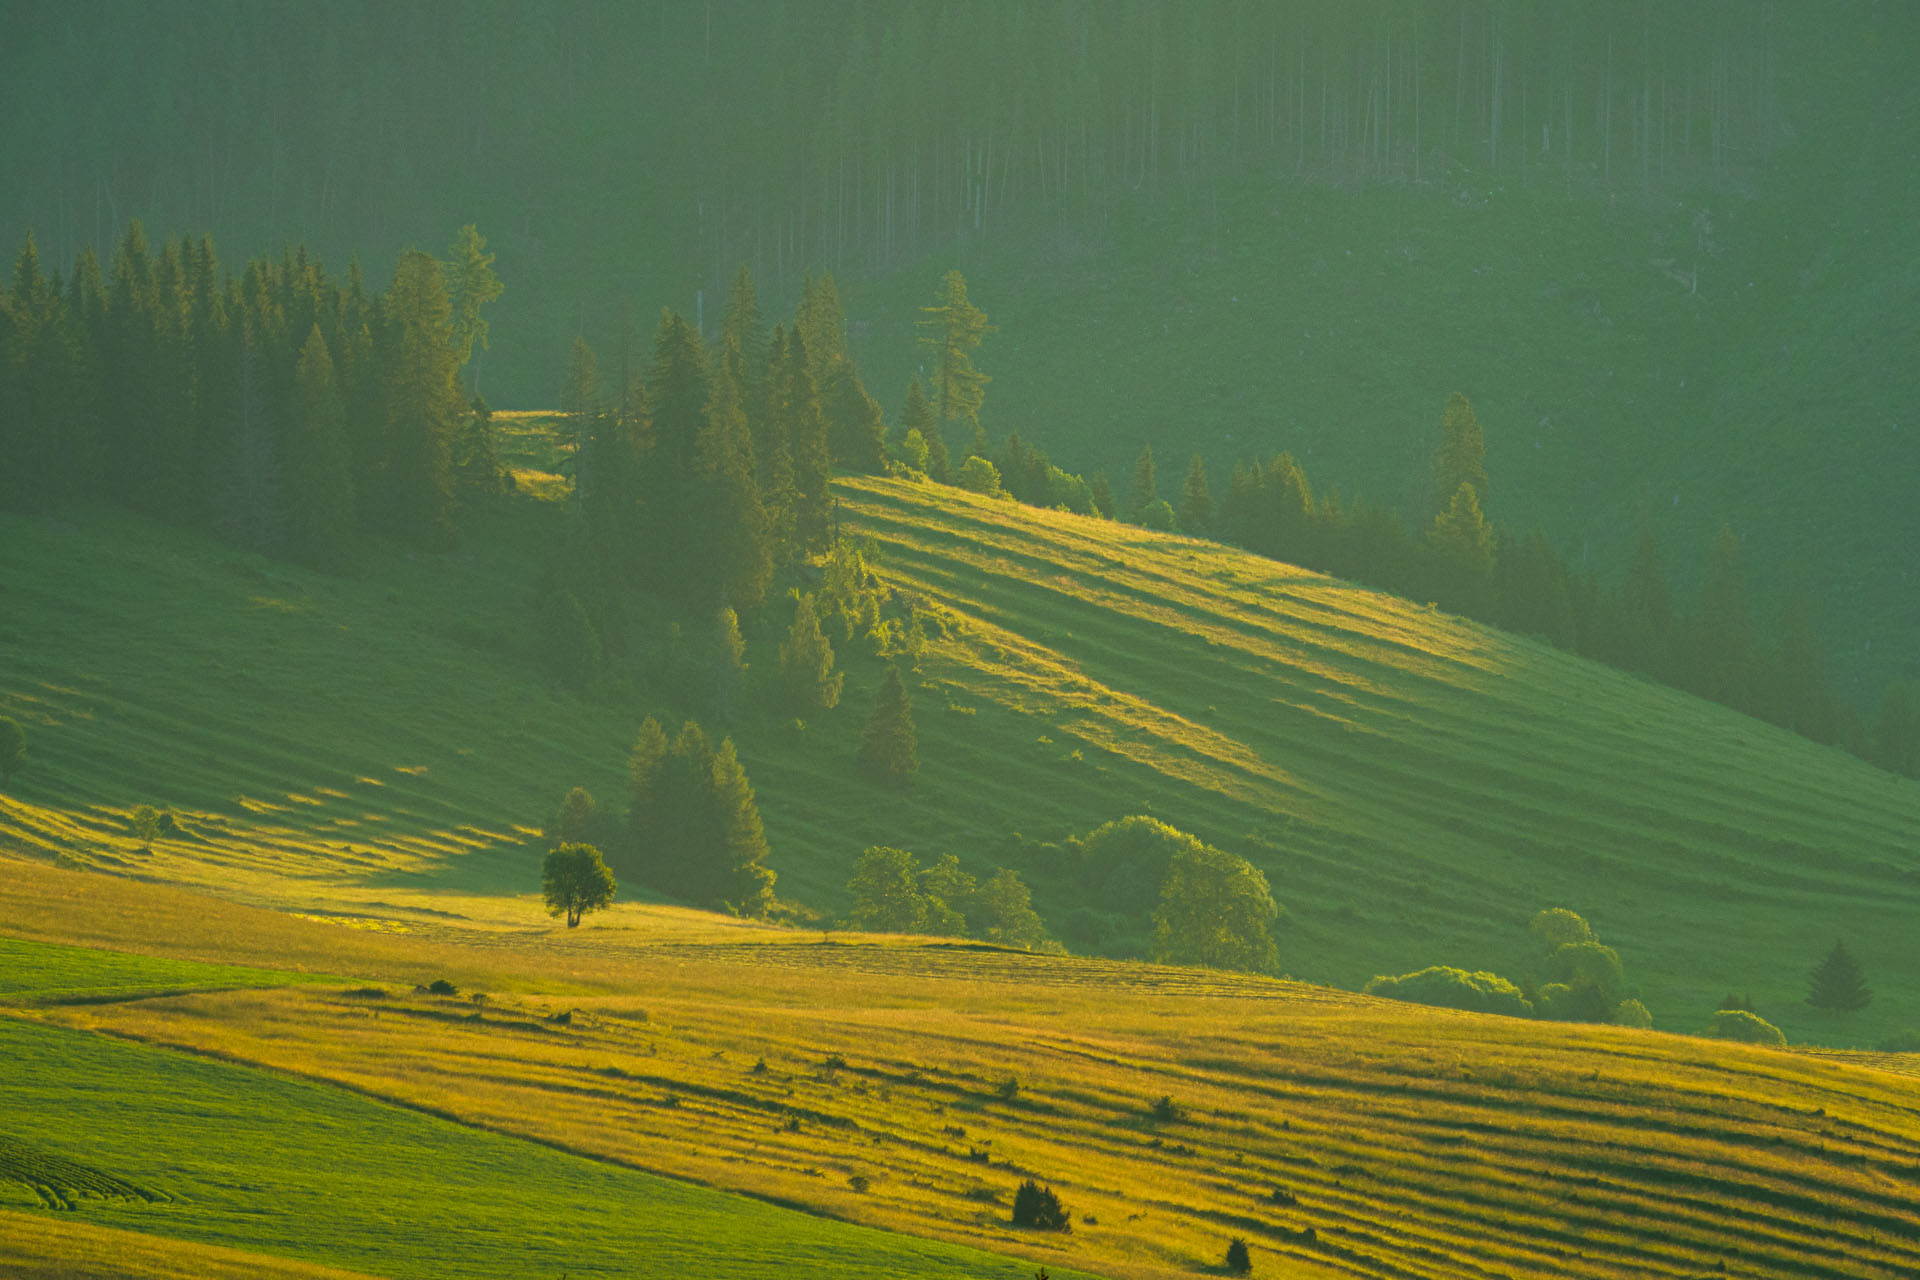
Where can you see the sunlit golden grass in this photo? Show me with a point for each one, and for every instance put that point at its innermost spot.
(1413, 1142)
(38, 1246)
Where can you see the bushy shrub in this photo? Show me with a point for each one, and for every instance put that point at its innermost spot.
(1747, 1028)
(1631, 1013)
(1454, 989)
(977, 475)
(1037, 1206)
(441, 987)
(1239, 1261)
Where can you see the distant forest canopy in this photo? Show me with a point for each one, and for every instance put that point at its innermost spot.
(840, 134)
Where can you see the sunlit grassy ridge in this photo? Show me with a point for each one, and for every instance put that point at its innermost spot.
(384, 747)
(1341, 1136)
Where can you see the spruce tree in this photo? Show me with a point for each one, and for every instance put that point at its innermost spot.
(1196, 500)
(1838, 984)
(729, 662)
(952, 330)
(1462, 456)
(644, 766)
(580, 407)
(478, 474)
(822, 328)
(857, 430)
(470, 285)
(773, 442)
(889, 751)
(812, 458)
(678, 395)
(734, 544)
(1462, 542)
(807, 676)
(738, 877)
(1142, 487)
(423, 401)
(319, 463)
(1101, 492)
(918, 417)
(744, 330)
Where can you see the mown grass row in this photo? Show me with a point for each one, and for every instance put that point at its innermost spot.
(1344, 1135)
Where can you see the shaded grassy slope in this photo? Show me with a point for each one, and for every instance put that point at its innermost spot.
(1402, 1142)
(1416, 787)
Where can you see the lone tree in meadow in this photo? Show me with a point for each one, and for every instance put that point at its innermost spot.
(1239, 1261)
(575, 880)
(1839, 984)
(13, 749)
(890, 751)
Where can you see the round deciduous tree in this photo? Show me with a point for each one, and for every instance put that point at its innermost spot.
(575, 880)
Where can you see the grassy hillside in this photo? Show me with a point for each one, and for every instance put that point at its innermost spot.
(383, 747)
(181, 1146)
(1340, 1136)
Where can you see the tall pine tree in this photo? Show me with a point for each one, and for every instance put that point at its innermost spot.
(423, 401)
(319, 463)
(1462, 456)
(889, 750)
(952, 330)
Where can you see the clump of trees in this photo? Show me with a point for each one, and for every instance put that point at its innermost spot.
(283, 409)
(1166, 892)
(1576, 979)
(894, 892)
(693, 827)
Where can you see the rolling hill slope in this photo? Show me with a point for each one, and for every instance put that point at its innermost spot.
(1416, 787)
(912, 1086)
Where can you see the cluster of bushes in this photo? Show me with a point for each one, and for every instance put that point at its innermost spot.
(894, 893)
(1576, 979)
(1147, 887)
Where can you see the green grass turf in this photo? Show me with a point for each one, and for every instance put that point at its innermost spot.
(48, 971)
(196, 1149)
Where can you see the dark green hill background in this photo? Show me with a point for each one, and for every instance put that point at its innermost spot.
(1665, 249)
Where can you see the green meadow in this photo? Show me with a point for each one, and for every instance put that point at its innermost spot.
(175, 1145)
